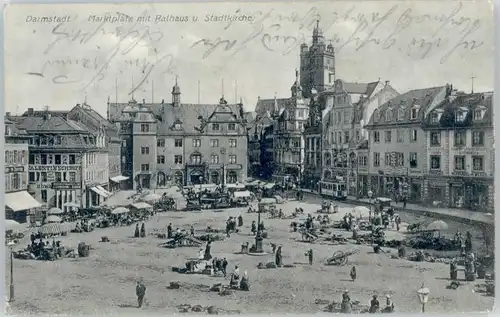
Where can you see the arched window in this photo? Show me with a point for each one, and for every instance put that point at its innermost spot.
(328, 174)
(232, 177)
(214, 177)
(178, 178)
(388, 115)
(161, 179)
(328, 159)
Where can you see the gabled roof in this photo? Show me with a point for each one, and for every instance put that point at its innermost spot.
(463, 102)
(96, 119)
(44, 124)
(264, 105)
(421, 98)
(189, 115)
(354, 88)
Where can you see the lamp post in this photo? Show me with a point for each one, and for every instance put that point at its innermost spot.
(423, 296)
(258, 236)
(370, 195)
(11, 288)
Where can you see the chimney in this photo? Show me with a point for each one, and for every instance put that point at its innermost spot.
(7, 114)
(30, 111)
(386, 82)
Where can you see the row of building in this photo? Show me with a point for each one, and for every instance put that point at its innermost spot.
(78, 158)
(433, 146)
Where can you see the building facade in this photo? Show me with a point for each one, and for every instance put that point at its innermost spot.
(349, 107)
(180, 143)
(460, 152)
(19, 203)
(67, 162)
(397, 144)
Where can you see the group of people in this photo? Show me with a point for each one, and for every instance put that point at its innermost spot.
(38, 247)
(140, 233)
(84, 226)
(260, 227)
(231, 224)
(346, 305)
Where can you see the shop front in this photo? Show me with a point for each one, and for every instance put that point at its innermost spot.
(471, 194)
(19, 206)
(363, 185)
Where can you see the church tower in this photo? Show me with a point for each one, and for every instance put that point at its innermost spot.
(317, 64)
(176, 94)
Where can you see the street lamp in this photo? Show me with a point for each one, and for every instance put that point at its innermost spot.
(370, 195)
(11, 293)
(423, 296)
(258, 236)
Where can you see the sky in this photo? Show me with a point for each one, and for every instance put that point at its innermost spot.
(101, 52)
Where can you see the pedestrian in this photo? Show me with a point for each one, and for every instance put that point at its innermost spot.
(140, 291)
(254, 227)
(240, 221)
(192, 231)
(169, 231)
(468, 242)
(310, 256)
(33, 238)
(404, 202)
(224, 267)
(143, 230)
(374, 305)
(136, 233)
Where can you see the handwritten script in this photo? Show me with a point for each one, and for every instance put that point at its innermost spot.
(392, 29)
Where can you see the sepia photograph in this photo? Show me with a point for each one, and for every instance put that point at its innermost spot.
(230, 158)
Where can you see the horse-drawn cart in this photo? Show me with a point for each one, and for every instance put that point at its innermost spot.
(181, 240)
(308, 235)
(341, 258)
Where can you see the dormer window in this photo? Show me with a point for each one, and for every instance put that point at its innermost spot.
(215, 127)
(461, 114)
(479, 113)
(414, 112)
(388, 115)
(401, 114)
(434, 117)
(177, 125)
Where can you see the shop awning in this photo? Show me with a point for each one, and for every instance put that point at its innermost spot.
(237, 186)
(242, 194)
(98, 192)
(20, 201)
(141, 205)
(103, 190)
(118, 179)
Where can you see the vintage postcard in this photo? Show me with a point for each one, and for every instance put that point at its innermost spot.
(249, 158)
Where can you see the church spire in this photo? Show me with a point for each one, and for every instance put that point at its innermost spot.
(317, 34)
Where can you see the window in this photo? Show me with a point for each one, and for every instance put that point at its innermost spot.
(58, 176)
(72, 176)
(413, 160)
(478, 115)
(196, 159)
(460, 115)
(414, 113)
(231, 126)
(160, 159)
(459, 162)
(346, 136)
(376, 115)
(362, 160)
(31, 159)
(435, 139)
(346, 117)
(44, 195)
(376, 159)
(144, 127)
(215, 127)
(388, 136)
(215, 159)
(387, 159)
(357, 135)
(31, 177)
(478, 163)
(178, 143)
(434, 118)
(214, 143)
(400, 136)
(376, 137)
(177, 126)
(144, 150)
(57, 159)
(413, 135)
(178, 159)
(43, 159)
(401, 114)
(478, 138)
(43, 176)
(232, 142)
(232, 159)
(435, 162)
(160, 143)
(144, 167)
(388, 115)
(72, 159)
(196, 142)
(340, 137)
(459, 138)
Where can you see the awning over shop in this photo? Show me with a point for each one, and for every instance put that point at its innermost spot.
(237, 186)
(242, 194)
(20, 201)
(118, 179)
(141, 205)
(98, 192)
(103, 190)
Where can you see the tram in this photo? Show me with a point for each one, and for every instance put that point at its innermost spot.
(335, 189)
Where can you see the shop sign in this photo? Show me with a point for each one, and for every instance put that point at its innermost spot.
(459, 173)
(52, 168)
(16, 169)
(435, 172)
(479, 174)
(44, 186)
(472, 151)
(66, 185)
(234, 167)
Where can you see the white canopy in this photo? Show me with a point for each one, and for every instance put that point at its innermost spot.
(118, 179)
(242, 194)
(20, 201)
